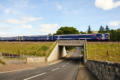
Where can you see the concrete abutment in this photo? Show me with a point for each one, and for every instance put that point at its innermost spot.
(57, 53)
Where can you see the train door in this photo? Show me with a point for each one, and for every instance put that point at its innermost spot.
(58, 37)
(47, 38)
(103, 36)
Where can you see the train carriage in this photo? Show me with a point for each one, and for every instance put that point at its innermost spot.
(8, 38)
(89, 37)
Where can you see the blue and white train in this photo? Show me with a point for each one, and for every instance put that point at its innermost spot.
(89, 37)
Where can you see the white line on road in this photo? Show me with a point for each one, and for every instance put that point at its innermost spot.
(55, 69)
(35, 76)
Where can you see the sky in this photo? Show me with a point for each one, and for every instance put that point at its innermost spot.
(41, 17)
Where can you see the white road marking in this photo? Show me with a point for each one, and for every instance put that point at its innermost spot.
(55, 69)
(17, 70)
(35, 76)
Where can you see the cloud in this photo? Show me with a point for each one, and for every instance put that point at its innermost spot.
(59, 7)
(107, 4)
(2, 34)
(48, 28)
(1, 6)
(23, 21)
(27, 26)
(16, 7)
(12, 21)
(6, 34)
(4, 28)
(31, 19)
(9, 10)
(114, 23)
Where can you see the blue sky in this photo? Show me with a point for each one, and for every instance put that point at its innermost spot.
(39, 17)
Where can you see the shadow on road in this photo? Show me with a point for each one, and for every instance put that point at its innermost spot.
(83, 72)
(74, 60)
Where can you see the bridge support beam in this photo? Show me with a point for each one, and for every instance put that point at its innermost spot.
(84, 54)
(62, 51)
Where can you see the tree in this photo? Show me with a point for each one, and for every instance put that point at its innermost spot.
(81, 32)
(89, 30)
(67, 30)
(49, 34)
(60, 32)
(107, 30)
(101, 30)
(115, 35)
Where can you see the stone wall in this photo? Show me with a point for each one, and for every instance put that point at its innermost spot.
(104, 70)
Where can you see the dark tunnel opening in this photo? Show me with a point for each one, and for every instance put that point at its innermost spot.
(77, 56)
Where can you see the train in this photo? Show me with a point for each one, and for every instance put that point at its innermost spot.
(89, 37)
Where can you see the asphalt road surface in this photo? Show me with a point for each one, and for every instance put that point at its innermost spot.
(65, 70)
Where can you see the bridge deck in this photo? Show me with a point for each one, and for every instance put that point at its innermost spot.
(71, 42)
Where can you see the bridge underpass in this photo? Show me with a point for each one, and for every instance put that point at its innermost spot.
(80, 44)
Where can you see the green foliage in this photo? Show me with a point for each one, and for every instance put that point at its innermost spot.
(81, 32)
(2, 62)
(115, 35)
(44, 48)
(101, 30)
(107, 30)
(69, 48)
(89, 30)
(67, 30)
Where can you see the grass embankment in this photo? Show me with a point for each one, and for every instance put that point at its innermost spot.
(27, 48)
(2, 62)
(103, 51)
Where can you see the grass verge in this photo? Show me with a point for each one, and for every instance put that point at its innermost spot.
(2, 62)
(26, 48)
(103, 51)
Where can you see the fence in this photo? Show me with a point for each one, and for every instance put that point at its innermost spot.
(11, 55)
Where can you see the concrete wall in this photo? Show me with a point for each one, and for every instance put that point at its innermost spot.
(35, 59)
(104, 70)
(64, 53)
(54, 54)
(58, 52)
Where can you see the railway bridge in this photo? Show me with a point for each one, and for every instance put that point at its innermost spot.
(60, 51)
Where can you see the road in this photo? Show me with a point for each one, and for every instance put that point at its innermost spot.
(65, 70)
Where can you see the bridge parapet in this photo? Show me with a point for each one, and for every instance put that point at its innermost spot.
(71, 42)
